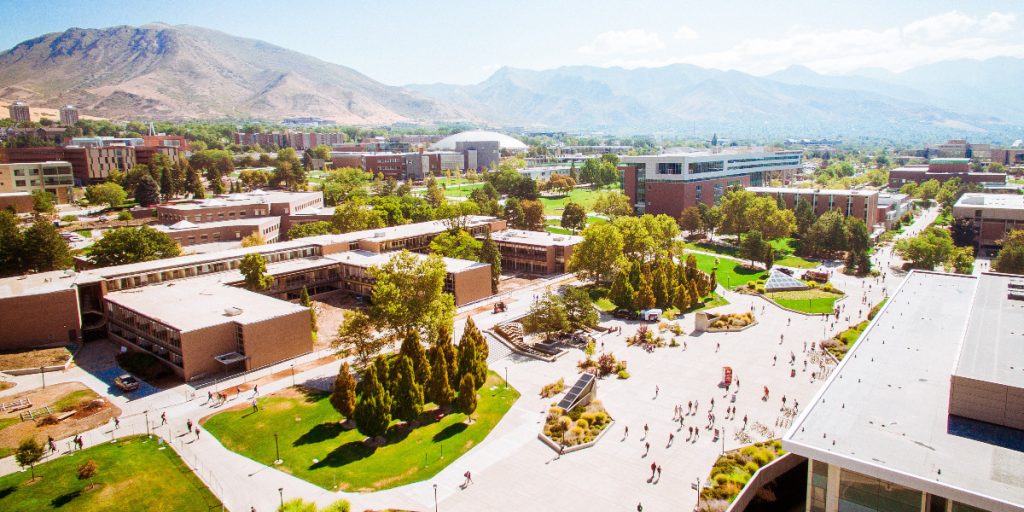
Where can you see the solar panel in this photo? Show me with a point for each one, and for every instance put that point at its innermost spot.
(573, 395)
(780, 281)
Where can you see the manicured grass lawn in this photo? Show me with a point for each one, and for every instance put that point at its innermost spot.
(785, 250)
(730, 273)
(557, 230)
(316, 448)
(711, 301)
(944, 219)
(554, 204)
(134, 474)
(463, 191)
(72, 399)
(808, 301)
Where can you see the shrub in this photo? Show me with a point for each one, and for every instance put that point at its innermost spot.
(623, 374)
(552, 389)
(751, 467)
(69, 218)
(47, 420)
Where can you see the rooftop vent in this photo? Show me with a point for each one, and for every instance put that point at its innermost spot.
(232, 311)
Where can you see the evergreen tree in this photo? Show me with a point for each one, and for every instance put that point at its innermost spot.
(441, 392)
(44, 248)
(147, 192)
(489, 254)
(343, 397)
(645, 296)
(373, 410)
(712, 282)
(194, 185)
(694, 294)
(467, 395)
(166, 184)
(682, 302)
(304, 300)
(622, 293)
(408, 398)
(216, 182)
(662, 297)
(413, 349)
(469, 360)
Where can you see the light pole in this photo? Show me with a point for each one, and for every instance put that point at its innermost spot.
(280, 491)
(435, 497)
(146, 414)
(277, 450)
(42, 373)
(293, 374)
(506, 377)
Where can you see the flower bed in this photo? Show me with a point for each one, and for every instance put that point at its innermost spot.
(580, 426)
(725, 322)
(732, 471)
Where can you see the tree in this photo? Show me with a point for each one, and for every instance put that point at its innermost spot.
(356, 336)
(735, 205)
(594, 258)
(645, 298)
(574, 217)
(42, 202)
(29, 452)
(826, 236)
(926, 250)
(343, 396)
(441, 392)
(373, 409)
(316, 228)
(467, 394)
(124, 216)
(858, 244)
(459, 244)
(305, 301)
(547, 316)
(613, 204)
(194, 185)
(490, 254)
(166, 183)
(533, 215)
(120, 246)
(1011, 256)
(928, 190)
(87, 470)
(961, 260)
(43, 248)
(256, 238)
(289, 169)
(109, 193)
(638, 244)
(408, 294)
(413, 349)
(755, 248)
(254, 270)
(804, 214)
(434, 195)
(513, 213)
(147, 192)
(622, 293)
(472, 353)
(691, 220)
(356, 215)
(408, 399)
(579, 310)
(962, 231)
(11, 240)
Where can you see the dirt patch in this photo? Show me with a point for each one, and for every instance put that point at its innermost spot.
(17, 360)
(87, 416)
(329, 316)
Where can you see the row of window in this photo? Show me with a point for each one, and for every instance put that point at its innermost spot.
(135, 281)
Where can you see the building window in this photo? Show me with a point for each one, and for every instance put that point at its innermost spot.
(699, 192)
(702, 167)
(670, 168)
(819, 485)
(859, 492)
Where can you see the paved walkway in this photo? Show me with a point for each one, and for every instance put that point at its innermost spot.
(511, 468)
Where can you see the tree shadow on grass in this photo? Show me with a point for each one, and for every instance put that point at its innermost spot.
(744, 270)
(311, 395)
(345, 454)
(7, 491)
(64, 499)
(450, 431)
(320, 433)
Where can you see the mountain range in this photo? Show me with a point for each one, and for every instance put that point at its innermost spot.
(159, 71)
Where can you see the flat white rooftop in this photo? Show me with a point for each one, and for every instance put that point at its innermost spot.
(255, 197)
(982, 201)
(368, 259)
(884, 412)
(812, 191)
(186, 226)
(193, 304)
(41, 283)
(993, 347)
(539, 238)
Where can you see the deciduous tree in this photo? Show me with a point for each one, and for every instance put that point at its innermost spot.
(574, 217)
(594, 258)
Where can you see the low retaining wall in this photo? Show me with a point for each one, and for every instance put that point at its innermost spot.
(576, 447)
(769, 472)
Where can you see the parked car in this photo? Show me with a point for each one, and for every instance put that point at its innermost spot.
(127, 382)
(624, 313)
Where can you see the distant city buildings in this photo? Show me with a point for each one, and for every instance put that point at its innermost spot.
(19, 112)
(68, 115)
(299, 141)
(667, 184)
(56, 178)
(943, 170)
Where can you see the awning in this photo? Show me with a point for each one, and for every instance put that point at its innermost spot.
(230, 358)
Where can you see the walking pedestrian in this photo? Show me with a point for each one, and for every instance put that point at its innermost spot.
(654, 468)
(717, 346)
(647, 448)
(712, 404)
(656, 390)
(51, 444)
(256, 390)
(689, 406)
(659, 471)
(639, 507)
(625, 433)
(255, 406)
(671, 437)
(163, 418)
(189, 424)
(197, 432)
(117, 423)
(209, 396)
(691, 433)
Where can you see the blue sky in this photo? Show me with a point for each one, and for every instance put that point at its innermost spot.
(400, 42)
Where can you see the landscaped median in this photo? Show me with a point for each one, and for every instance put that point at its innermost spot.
(314, 446)
(135, 473)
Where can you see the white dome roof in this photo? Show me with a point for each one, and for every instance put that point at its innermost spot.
(504, 141)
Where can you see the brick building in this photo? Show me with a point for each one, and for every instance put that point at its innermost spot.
(68, 115)
(993, 215)
(56, 178)
(668, 184)
(534, 252)
(862, 204)
(89, 164)
(942, 170)
(19, 112)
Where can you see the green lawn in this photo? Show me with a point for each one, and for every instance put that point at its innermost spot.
(785, 252)
(712, 301)
(943, 219)
(463, 191)
(808, 301)
(729, 274)
(315, 448)
(554, 204)
(134, 474)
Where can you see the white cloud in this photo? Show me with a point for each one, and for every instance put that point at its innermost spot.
(947, 36)
(623, 42)
(684, 32)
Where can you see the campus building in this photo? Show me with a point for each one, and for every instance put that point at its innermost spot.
(68, 115)
(414, 165)
(19, 112)
(925, 413)
(53, 177)
(668, 184)
(534, 252)
(993, 215)
(90, 164)
(943, 170)
(862, 204)
(892, 207)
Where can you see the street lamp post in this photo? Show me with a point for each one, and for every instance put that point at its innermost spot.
(277, 450)
(146, 414)
(42, 373)
(506, 377)
(280, 492)
(293, 374)
(435, 497)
